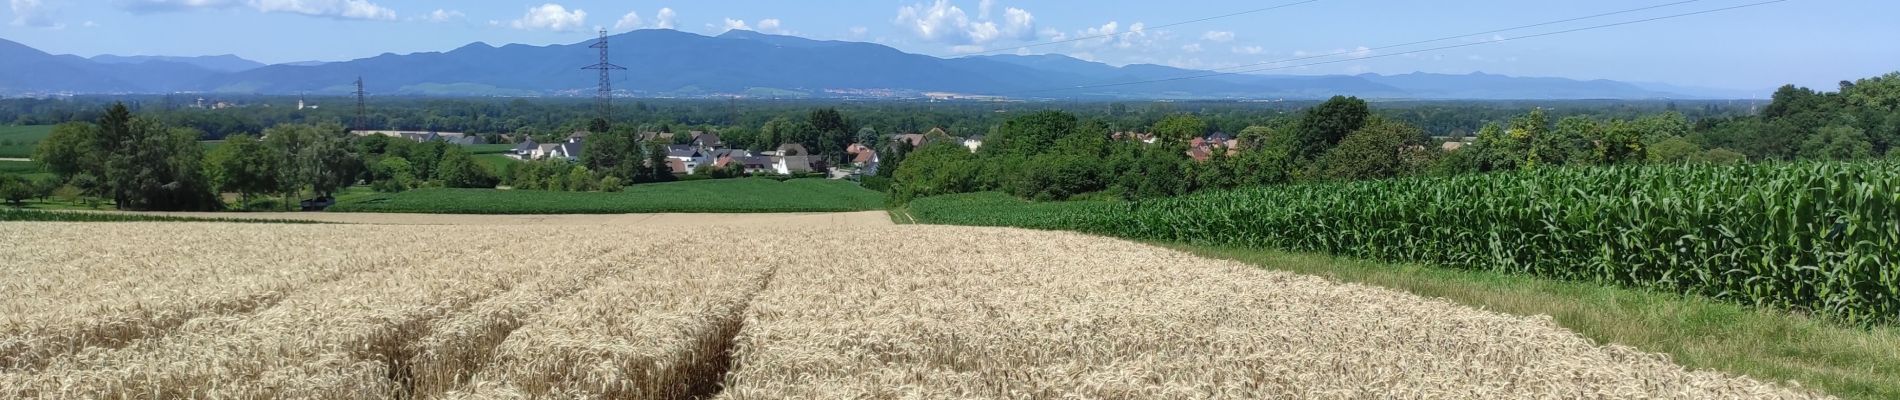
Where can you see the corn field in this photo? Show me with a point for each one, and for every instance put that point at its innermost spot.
(209, 310)
(1820, 238)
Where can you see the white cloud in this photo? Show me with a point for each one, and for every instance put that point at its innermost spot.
(1019, 23)
(90, 24)
(661, 20)
(1106, 32)
(553, 17)
(943, 22)
(441, 15)
(983, 8)
(664, 19)
(1218, 36)
(340, 9)
(628, 22)
(34, 13)
(153, 6)
(967, 49)
(345, 9)
(736, 24)
(859, 31)
(774, 26)
(1192, 48)
(1257, 50)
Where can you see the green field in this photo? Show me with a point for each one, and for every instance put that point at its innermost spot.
(18, 141)
(1816, 237)
(26, 168)
(495, 163)
(708, 196)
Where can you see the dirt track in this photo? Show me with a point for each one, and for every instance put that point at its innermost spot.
(866, 218)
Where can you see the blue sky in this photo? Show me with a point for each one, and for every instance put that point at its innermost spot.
(1808, 42)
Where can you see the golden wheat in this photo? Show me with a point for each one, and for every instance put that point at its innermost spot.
(982, 313)
(749, 312)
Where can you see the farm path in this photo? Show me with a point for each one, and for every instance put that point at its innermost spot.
(851, 219)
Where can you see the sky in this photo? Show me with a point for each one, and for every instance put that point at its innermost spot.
(1813, 43)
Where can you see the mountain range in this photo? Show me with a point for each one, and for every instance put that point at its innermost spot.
(668, 63)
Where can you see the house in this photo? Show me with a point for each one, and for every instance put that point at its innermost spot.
(663, 137)
(1452, 146)
(524, 150)
(787, 165)
(685, 158)
(973, 142)
(1220, 137)
(753, 164)
(1148, 138)
(569, 150)
(793, 149)
(707, 140)
(915, 140)
(429, 136)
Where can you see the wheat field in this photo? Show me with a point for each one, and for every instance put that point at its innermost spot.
(806, 310)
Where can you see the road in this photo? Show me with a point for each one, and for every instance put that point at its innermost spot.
(866, 218)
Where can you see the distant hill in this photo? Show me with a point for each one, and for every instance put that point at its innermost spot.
(668, 63)
(223, 63)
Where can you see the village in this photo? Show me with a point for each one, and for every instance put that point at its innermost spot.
(706, 150)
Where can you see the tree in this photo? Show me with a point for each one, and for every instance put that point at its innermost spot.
(1053, 177)
(459, 170)
(244, 165)
(393, 174)
(607, 152)
(1180, 129)
(320, 158)
(1495, 150)
(1530, 132)
(1372, 152)
(934, 169)
(15, 190)
(1673, 151)
(1837, 142)
(1028, 134)
(833, 133)
(1659, 127)
(67, 151)
(1722, 156)
(658, 169)
(146, 165)
(611, 184)
(1572, 142)
(890, 157)
(1622, 142)
(579, 179)
(1326, 124)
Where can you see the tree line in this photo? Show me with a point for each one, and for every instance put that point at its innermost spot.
(1056, 155)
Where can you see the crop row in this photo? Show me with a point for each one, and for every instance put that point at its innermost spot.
(1822, 238)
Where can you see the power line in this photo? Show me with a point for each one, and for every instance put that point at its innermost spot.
(1540, 24)
(1078, 39)
(1462, 45)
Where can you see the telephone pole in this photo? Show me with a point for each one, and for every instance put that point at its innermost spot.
(362, 109)
(603, 97)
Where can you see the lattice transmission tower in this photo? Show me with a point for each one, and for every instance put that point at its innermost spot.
(604, 96)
